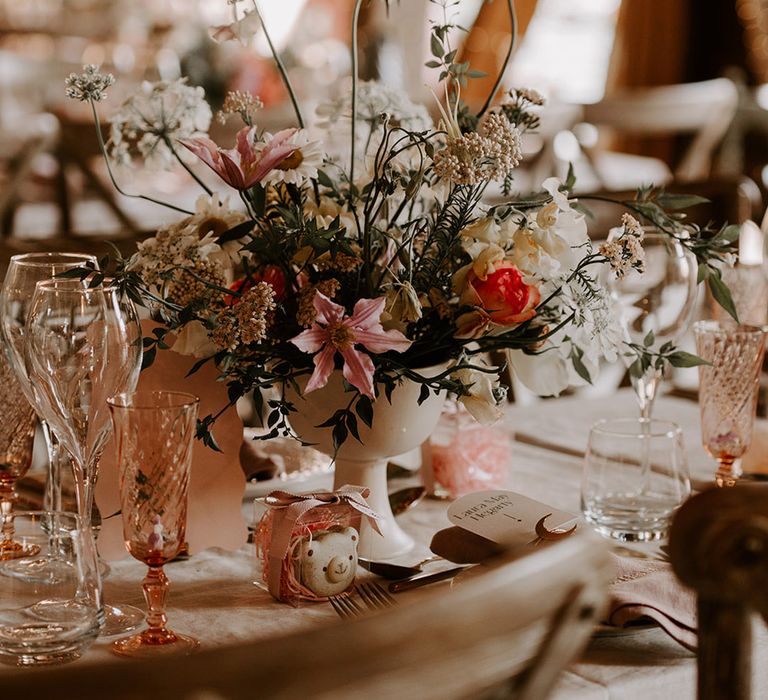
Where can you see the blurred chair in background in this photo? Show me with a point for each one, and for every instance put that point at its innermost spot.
(719, 547)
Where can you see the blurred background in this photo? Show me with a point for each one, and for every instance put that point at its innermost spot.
(670, 92)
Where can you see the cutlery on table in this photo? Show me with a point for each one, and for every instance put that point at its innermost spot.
(424, 579)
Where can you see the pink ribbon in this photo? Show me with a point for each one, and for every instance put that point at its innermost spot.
(290, 508)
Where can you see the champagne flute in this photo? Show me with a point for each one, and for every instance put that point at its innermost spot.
(24, 272)
(155, 433)
(661, 300)
(81, 346)
(728, 388)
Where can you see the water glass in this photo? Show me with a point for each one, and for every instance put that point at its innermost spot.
(635, 477)
(728, 389)
(53, 616)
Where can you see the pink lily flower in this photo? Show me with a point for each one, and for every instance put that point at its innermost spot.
(333, 333)
(243, 166)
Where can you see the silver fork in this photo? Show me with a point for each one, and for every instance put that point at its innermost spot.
(345, 607)
(375, 597)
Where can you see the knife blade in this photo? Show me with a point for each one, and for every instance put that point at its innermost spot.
(424, 579)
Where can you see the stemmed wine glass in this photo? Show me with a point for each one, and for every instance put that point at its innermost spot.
(155, 433)
(661, 300)
(728, 389)
(81, 346)
(17, 436)
(24, 272)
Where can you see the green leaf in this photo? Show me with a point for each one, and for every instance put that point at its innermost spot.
(649, 338)
(364, 409)
(570, 179)
(339, 435)
(702, 274)
(436, 46)
(148, 357)
(580, 368)
(680, 201)
(722, 295)
(681, 358)
(423, 394)
(730, 234)
(352, 427)
(433, 64)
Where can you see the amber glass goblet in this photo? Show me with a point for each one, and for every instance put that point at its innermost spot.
(17, 436)
(728, 389)
(154, 431)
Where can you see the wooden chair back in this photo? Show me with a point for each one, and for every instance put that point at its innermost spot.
(703, 110)
(507, 631)
(719, 547)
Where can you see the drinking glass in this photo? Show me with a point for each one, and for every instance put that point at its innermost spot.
(24, 272)
(50, 619)
(81, 346)
(17, 436)
(620, 496)
(155, 432)
(661, 299)
(728, 389)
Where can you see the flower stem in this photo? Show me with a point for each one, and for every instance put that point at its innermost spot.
(503, 69)
(280, 67)
(189, 170)
(103, 149)
(355, 21)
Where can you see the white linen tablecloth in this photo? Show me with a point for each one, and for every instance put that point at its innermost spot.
(213, 598)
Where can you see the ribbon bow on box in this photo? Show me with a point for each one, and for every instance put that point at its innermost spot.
(290, 508)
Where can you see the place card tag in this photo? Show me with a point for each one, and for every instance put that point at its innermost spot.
(506, 517)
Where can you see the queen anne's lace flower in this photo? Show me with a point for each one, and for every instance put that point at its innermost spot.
(90, 85)
(491, 153)
(241, 103)
(150, 121)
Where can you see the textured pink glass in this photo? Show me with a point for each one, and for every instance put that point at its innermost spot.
(155, 432)
(728, 389)
(17, 435)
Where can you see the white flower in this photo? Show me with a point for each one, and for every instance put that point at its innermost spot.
(402, 306)
(242, 30)
(150, 121)
(483, 397)
(90, 85)
(301, 165)
(193, 339)
(373, 100)
(546, 373)
(485, 229)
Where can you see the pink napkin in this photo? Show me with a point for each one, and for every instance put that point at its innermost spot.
(648, 589)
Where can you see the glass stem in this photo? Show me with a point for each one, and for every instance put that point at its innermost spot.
(645, 390)
(7, 497)
(52, 497)
(726, 474)
(155, 587)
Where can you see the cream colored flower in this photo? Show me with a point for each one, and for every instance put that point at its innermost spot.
(193, 339)
(299, 166)
(483, 398)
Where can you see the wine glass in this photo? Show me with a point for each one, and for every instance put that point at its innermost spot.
(661, 300)
(17, 436)
(81, 346)
(155, 432)
(24, 272)
(728, 388)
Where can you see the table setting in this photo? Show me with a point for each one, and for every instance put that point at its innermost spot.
(365, 303)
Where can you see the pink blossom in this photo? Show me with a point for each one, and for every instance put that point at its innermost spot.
(334, 333)
(244, 165)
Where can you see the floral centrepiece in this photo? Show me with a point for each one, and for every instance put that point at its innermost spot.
(367, 243)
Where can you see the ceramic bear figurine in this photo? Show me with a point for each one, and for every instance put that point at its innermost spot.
(328, 561)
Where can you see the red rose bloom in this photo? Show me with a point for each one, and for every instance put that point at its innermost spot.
(272, 275)
(504, 296)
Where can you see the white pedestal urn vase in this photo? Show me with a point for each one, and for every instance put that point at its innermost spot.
(397, 427)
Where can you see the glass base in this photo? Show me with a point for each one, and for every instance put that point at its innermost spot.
(154, 643)
(630, 535)
(9, 549)
(46, 569)
(119, 619)
(41, 659)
